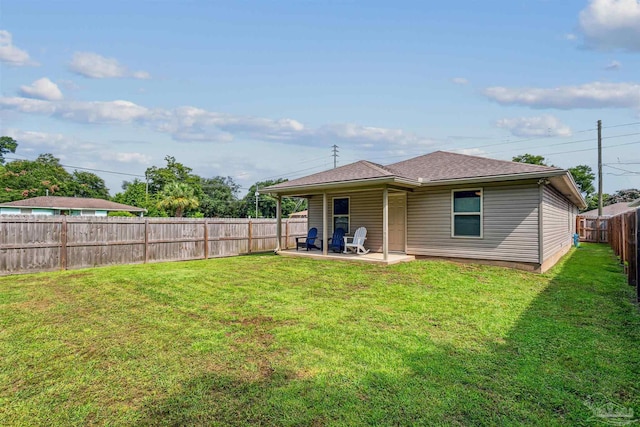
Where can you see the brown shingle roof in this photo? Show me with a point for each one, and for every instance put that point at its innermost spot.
(611, 210)
(56, 202)
(442, 165)
(436, 166)
(351, 172)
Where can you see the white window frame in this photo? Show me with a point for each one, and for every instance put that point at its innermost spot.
(454, 214)
(333, 214)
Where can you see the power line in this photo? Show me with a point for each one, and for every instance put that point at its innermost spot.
(623, 170)
(82, 168)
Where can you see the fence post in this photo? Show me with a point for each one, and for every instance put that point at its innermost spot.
(63, 243)
(286, 234)
(206, 239)
(250, 231)
(146, 240)
(637, 254)
(620, 244)
(637, 221)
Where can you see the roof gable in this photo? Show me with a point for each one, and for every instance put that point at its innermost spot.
(58, 202)
(352, 172)
(442, 165)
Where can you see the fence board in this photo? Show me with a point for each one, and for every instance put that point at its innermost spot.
(32, 243)
(595, 230)
(624, 232)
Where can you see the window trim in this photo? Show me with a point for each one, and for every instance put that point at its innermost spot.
(481, 213)
(333, 214)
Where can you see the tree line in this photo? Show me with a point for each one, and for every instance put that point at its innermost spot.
(174, 190)
(169, 190)
(583, 176)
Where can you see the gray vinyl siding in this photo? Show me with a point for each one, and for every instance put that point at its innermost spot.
(510, 224)
(365, 210)
(556, 219)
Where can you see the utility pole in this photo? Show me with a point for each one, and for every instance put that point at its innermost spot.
(335, 155)
(599, 168)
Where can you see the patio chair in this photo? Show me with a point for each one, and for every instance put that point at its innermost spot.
(336, 243)
(308, 242)
(357, 242)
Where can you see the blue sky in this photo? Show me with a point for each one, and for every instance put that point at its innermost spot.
(257, 90)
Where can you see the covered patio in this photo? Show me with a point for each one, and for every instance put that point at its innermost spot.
(370, 258)
(362, 194)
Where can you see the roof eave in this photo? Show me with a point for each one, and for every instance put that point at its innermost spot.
(339, 185)
(73, 209)
(494, 178)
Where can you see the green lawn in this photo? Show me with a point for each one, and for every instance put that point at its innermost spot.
(282, 341)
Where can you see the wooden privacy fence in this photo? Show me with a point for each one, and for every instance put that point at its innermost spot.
(624, 230)
(594, 230)
(45, 243)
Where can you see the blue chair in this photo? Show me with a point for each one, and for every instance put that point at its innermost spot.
(308, 242)
(336, 243)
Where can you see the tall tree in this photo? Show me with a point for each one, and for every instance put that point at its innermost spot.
(584, 176)
(7, 145)
(87, 184)
(267, 204)
(627, 195)
(178, 198)
(531, 159)
(174, 171)
(135, 194)
(220, 197)
(22, 179)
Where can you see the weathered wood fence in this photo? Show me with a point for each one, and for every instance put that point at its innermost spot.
(624, 230)
(594, 230)
(44, 243)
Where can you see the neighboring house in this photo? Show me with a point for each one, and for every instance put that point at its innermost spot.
(447, 205)
(612, 210)
(301, 214)
(74, 206)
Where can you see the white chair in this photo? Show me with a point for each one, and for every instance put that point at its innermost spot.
(357, 242)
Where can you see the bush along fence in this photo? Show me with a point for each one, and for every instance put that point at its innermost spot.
(624, 232)
(45, 243)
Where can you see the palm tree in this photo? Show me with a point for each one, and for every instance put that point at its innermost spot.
(178, 197)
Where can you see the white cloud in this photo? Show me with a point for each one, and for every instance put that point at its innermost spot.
(570, 37)
(460, 81)
(11, 54)
(611, 24)
(613, 66)
(191, 124)
(28, 140)
(42, 89)
(589, 95)
(77, 111)
(94, 66)
(140, 158)
(142, 75)
(545, 125)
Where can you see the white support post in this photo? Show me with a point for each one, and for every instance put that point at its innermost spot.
(325, 224)
(385, 224)
(278, 222)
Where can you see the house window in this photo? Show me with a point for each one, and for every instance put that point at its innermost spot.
(466, 213)
(341, 213)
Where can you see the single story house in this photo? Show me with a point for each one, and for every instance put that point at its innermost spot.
(447, 205)
(300, 214)
(74, 206)
(612, 210)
